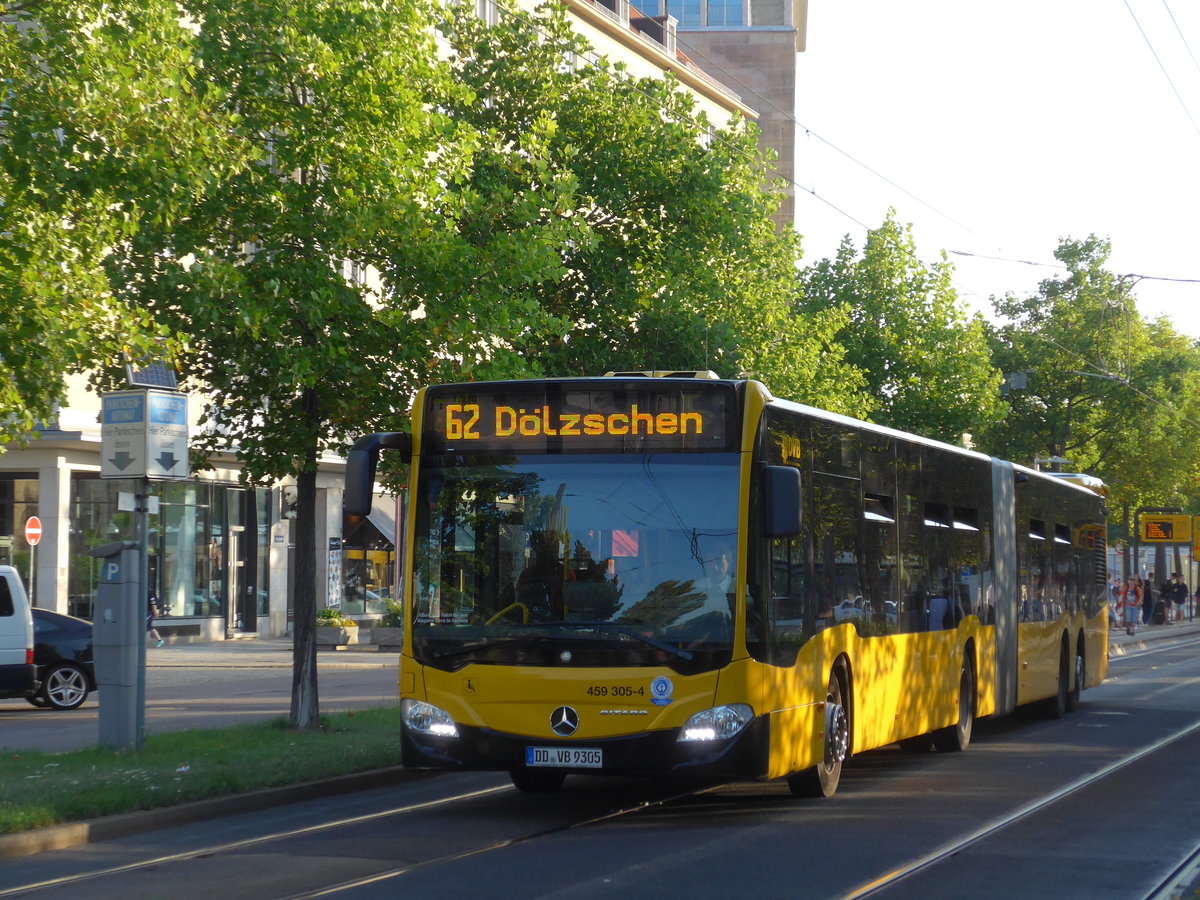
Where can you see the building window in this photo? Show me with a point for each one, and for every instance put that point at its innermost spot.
(18, 501)
(725, 12)
(199, 543)
(690, 12)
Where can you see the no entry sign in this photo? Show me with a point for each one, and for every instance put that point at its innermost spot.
(33, 530)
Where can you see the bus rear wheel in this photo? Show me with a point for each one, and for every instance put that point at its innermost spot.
(822, 779)
(1058, 705)
(534, 781)
(1074, 695)
(957, 737)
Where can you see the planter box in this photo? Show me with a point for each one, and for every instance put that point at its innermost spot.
(330, 636)
(387, 638)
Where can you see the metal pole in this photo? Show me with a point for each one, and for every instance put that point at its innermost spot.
(142, 535)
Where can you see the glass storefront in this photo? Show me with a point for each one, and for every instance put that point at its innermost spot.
(207, 546)
(369, 560)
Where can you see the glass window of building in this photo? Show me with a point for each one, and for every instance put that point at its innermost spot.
(687, 11)
(202, 547)
(18, 501)
(725, 12)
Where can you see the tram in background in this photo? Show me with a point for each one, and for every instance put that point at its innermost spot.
(638, 574)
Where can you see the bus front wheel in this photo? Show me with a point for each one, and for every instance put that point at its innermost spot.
(822, 779)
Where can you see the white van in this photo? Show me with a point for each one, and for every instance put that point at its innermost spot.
(18, 675)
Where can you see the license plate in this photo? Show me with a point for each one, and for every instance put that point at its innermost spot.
(565, 757)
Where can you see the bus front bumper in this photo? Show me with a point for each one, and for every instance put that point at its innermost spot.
(743, 756)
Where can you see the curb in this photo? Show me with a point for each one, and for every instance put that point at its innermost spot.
(1157, 636)
(75, 834)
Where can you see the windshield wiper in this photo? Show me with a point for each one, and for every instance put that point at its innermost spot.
(621, 630)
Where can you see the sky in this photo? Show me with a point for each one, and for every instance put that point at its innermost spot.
(996, 129)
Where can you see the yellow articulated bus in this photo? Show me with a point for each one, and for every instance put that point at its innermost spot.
(670, 573)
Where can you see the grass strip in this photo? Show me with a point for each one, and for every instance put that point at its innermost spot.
(40, 789)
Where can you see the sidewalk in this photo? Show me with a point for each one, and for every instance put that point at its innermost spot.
(1120, 643)
(276, 652)
(265, 653)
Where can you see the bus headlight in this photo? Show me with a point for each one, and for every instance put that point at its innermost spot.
(425, 718)
(717, 724)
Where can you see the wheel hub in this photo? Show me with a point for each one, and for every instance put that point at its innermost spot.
(837, 733)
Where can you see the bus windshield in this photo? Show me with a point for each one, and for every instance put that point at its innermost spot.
(587, 560)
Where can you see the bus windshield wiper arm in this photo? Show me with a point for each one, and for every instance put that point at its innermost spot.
(624, 631)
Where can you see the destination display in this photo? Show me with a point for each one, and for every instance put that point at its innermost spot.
(559, 417)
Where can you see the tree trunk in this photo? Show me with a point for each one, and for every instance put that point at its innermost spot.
(305, 706)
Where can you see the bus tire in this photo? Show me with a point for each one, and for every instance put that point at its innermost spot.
(1056, 706)
(822, 779)
(1075, 694)
(957, 737)
(534, 781)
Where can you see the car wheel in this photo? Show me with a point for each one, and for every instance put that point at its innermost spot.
(64, 687)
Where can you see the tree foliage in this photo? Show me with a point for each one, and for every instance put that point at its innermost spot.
(1102, 387)
(927, 365)
(101, 138)
(674, 263)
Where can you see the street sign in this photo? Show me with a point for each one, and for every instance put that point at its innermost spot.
(144, 434)
(167, 436)
(1166, 529)
(33, 530)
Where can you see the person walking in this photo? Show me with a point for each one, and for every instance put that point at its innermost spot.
(151, 615)
(1130, 604)
(1147, 592)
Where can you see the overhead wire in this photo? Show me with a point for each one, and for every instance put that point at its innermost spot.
(1158, 60)
(521, 16)
(1179, 31)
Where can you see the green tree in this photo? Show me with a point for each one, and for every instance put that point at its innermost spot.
(99, 137)
(675, 263)
(297, 345)
(1100, 386)
(927, 364)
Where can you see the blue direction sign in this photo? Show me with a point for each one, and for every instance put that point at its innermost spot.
(167, 436)
(123, 435)
(144, 434)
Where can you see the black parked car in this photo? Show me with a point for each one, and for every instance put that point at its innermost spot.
(62, 652)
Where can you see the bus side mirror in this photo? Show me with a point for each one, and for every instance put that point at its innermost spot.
(781, 502)
(360, 468)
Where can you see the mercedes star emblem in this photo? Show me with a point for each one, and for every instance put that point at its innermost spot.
(564, 721)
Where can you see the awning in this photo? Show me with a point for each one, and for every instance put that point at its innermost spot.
(383, 516)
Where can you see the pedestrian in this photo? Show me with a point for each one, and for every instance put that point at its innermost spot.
(1147, 591)
(151, 615)
(1131, 604)
(1179, 595)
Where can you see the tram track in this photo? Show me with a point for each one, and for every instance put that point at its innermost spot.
(241, 845)
(441, 830)
(264, 842)
(381, 877)
(879, 886)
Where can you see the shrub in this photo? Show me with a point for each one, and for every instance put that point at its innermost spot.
(332, 617)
